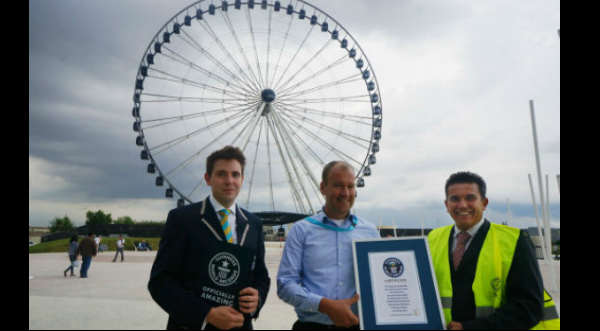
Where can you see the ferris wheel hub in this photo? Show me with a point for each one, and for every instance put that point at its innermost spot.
(268, 95)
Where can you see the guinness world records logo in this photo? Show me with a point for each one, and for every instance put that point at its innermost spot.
(224, 269)
(393, 267)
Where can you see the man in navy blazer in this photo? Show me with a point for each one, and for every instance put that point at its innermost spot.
(193, 229)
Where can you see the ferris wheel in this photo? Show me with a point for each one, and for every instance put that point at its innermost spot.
(286, 83)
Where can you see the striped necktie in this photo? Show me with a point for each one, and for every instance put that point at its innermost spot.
(224, 213)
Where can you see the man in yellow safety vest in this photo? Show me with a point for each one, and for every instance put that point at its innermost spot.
(487, 274)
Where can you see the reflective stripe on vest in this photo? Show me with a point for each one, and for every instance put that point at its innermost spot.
(489, 283)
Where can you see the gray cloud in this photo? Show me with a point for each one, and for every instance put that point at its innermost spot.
(455, 76)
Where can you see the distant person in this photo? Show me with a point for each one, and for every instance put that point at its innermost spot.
(98, 239)
(145, 246)
(72, 255)
(120, 247)
(190, 231)
(87, 249)
(487, 274)
(316, 273)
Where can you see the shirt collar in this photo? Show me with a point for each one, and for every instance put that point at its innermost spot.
(324, 217)
(472, 231)
(218, 206)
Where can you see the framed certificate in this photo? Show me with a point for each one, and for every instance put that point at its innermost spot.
(396, 283)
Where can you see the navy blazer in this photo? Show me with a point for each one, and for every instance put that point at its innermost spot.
(185, 238)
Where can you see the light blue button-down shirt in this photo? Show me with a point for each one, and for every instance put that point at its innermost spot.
(317, 262)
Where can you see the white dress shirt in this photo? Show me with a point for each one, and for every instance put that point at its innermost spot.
(472, 231)
(218, 206)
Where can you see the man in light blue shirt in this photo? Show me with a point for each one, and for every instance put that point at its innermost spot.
(316, 274)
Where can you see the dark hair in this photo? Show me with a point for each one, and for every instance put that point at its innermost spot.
(328, 166)
(462, 177)
(90, 234)
(226, 153)
(74, 237)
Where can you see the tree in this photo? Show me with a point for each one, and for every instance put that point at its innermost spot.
(124, 220)
(61, 225)
(97, 218)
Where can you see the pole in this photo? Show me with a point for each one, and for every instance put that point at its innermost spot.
(537, 220)
(558, 181)
(551, 260)
(546, 236)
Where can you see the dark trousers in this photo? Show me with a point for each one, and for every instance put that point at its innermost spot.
(86, 261)
(119, 250)
(317, 326)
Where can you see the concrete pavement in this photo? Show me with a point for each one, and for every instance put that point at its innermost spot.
(114, 296)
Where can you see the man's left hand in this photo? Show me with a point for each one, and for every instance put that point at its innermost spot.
(248, 300)
(455, 326)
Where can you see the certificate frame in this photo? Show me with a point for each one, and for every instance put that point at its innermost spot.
(419, 246)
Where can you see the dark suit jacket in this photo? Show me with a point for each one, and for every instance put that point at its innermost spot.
(184, 239)
(524, 287)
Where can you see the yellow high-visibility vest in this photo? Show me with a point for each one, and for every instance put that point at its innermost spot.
(493, 265)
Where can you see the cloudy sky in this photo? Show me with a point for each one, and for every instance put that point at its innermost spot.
(455, 78)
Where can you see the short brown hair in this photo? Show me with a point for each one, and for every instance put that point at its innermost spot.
(466, 177)
(328, 166)
(226, 153)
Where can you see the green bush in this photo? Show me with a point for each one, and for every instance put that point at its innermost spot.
(62, 245)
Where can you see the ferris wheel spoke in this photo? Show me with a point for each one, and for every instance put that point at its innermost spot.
(241, 50)
(250, 132)
(289, 147)
(310, 151)
(355, 98)
(308, 172)
(173, 98)
(364, 120)
(200, 184)
(251, 121)
(194, 44)
(317, 74)
(254, 163)
(287, 32)
(188, 82)
(332, 148)
(270, 166)
(189, 160)
(347, 80)
(258, 70)
(351, 138)
(305, 65)
(294, 57)
(174, 119)
(176, 57)
(166, 145)
(268, 49)
(219, 43)
(292, 185)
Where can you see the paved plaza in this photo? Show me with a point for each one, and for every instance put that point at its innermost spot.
(115, 296)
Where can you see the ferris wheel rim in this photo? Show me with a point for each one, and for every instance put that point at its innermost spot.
(368, 67)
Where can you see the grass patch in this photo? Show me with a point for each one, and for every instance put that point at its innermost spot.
(62, 245)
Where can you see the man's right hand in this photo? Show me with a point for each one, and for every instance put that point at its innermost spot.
(339, 311)
(225, 317)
